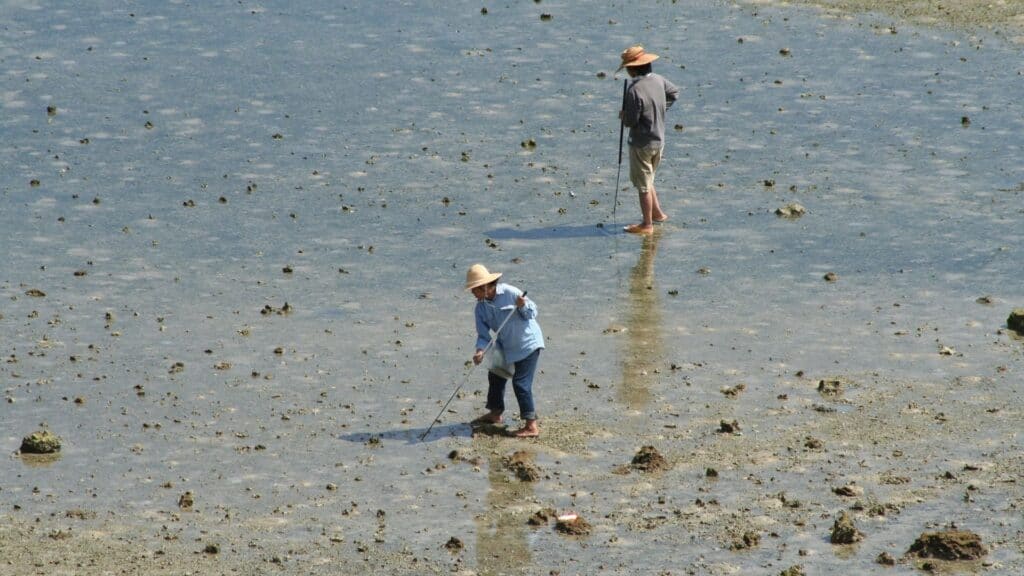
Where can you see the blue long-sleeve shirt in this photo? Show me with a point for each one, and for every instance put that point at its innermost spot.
(520, 336)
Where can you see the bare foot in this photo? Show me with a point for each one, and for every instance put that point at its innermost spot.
(489, 418)
(664, 218)
(639, 229)
(530, 430)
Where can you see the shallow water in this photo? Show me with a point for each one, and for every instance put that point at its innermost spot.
(376, 150)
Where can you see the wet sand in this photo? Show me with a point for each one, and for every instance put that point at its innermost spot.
(240, 360)
(1007, 16)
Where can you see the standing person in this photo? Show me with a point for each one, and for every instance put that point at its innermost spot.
(520, 340)
(648, 97)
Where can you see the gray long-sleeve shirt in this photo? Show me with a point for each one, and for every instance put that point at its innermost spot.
(647, 99)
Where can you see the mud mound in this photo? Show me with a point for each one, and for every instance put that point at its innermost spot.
(40, 442)
(454, 545)
(573, 526)
(948, 545)
(844, 531)
(542, 517)
(521, 464)
(648, 459)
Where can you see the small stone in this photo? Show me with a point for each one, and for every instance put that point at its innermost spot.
(728, 427)
(186, 500)
(885, 559)
(454, 545)
(850, 490)
(795, 570)
(830, 277)
(813, 443)
(211, 549)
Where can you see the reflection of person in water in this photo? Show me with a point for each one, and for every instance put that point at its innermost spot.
(501, 545)
(643, 334)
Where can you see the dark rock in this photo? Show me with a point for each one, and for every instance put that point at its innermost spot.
(454, 544)
(1015, 321)
(885, 559)
(728, 427)
(830, 387)
(796, 570)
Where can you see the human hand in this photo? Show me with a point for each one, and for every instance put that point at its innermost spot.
(478, 357)
(521, 300)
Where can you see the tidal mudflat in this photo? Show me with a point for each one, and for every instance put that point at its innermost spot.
(235, 236)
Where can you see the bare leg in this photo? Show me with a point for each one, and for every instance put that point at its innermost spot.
(646, 208)
(657, 214)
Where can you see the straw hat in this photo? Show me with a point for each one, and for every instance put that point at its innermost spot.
(635, 56)
(477, 275)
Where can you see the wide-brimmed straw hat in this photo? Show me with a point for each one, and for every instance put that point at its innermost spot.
(477, 275)
(635, 56)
